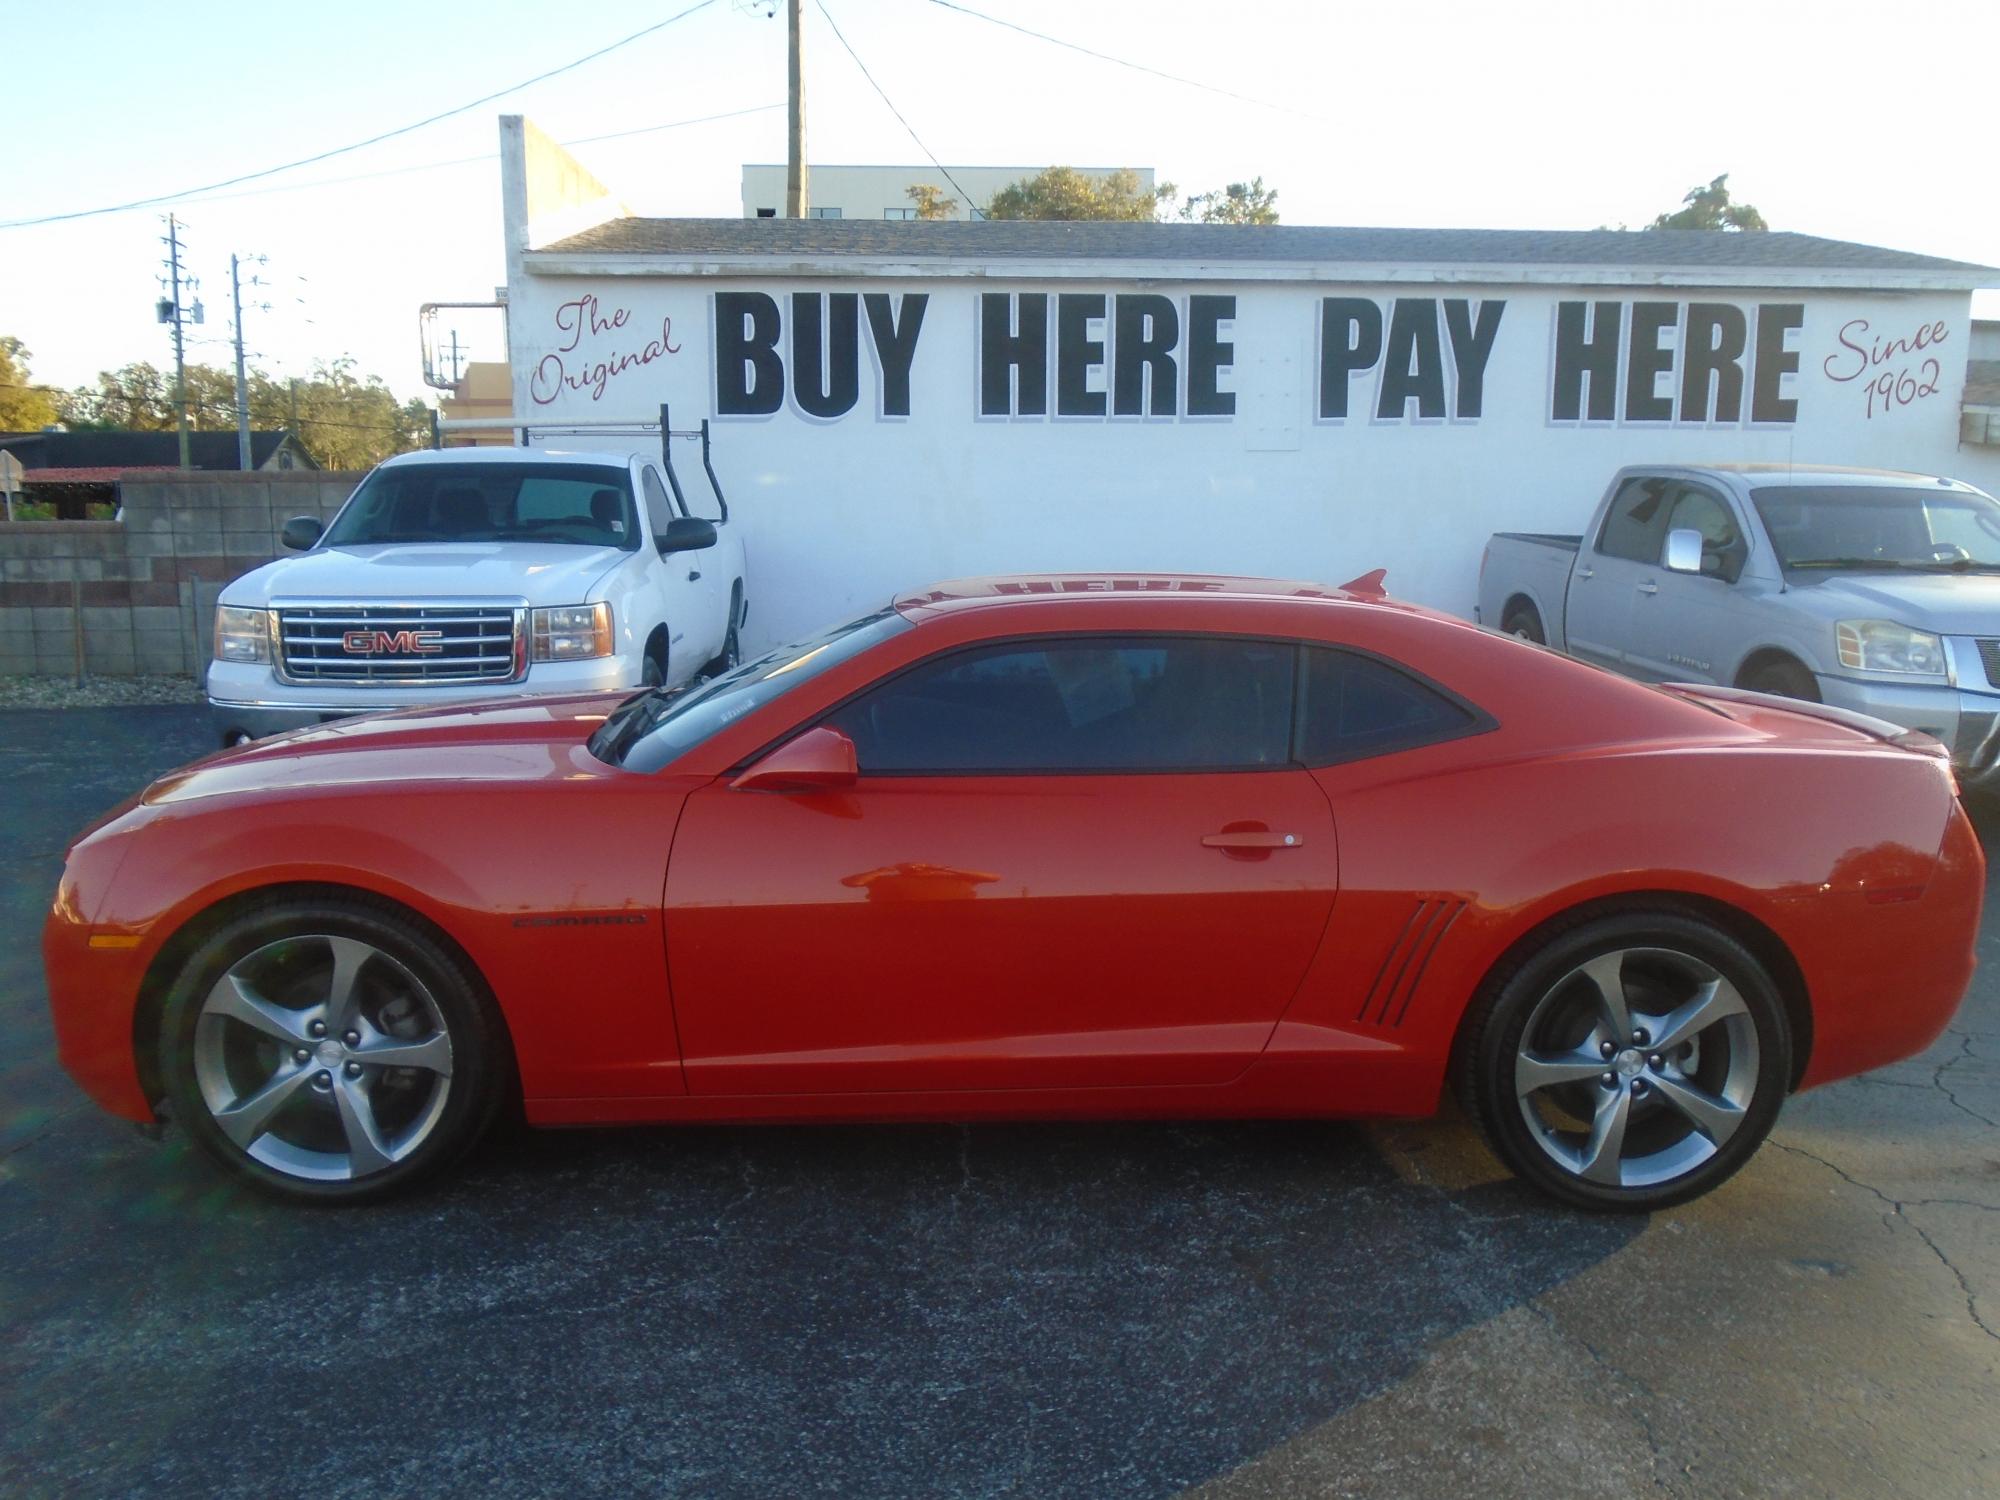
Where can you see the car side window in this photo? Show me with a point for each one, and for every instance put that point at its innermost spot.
(659, 505)
(1635, 527)
(1095, 704)
(1354, 706)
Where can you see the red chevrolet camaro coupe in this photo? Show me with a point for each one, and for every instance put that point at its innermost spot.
(1050, 847)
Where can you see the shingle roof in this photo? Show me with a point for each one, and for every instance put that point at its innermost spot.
(139, 450)
(1663, 249)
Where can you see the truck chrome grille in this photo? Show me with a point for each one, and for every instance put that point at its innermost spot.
(402, 644)
(1989, 658)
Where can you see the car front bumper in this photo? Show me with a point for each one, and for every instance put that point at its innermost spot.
(1964, 713)
(246, 699)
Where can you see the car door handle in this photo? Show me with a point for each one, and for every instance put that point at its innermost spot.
(1586, 572)
(1248, 838)
(1649, 587)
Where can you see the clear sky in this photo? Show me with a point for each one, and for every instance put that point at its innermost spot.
(1870, 122)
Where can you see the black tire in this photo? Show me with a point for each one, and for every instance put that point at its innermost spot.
(731, 652)
(1524, 621)
(418, 987)
(1785, 678)
(1742, 1060)
(654, 672)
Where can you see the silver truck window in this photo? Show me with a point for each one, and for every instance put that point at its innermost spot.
(1636, 524)
(1882, 527)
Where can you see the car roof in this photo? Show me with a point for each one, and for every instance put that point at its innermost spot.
(1018, 589)
(494, 455)
(1770, 475)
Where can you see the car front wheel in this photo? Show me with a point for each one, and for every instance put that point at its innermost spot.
(1632, 1062)
(331, 1051)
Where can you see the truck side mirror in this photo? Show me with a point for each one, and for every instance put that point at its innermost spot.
(1683, 550)
(302, 532)
(686, 534)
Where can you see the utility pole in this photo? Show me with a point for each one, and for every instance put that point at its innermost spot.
(796, 194)
(171, 312)
(242, 386)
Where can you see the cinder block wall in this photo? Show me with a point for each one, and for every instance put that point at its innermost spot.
(147, 582)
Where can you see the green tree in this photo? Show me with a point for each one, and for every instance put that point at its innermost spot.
(24, 406)
(1065, 193)
(1709, 208)
(931, 201)
(1238, 203)
(343, 419)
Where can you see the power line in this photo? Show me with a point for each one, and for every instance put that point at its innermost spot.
(466, 161)
(1122, 62)
(306, 161)
(965, 197)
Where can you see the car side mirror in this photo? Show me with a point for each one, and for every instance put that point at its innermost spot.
(302, 533)
(820, 760)
(686, 534)
(1683, 550)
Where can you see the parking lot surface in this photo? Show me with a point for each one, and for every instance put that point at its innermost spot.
(1263, 1309)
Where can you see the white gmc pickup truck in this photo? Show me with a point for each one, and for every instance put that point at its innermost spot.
(467, 573)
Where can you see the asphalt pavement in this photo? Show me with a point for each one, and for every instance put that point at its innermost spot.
(1102, 1310)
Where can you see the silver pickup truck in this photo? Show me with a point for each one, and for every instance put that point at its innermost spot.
(1866, 590)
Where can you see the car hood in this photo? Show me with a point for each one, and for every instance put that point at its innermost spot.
(1946, 603)
(535, 738)
(539, 572)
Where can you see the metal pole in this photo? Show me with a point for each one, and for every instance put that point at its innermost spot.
(796, 194)
(180, 344)
(242, 388)
(76, 624)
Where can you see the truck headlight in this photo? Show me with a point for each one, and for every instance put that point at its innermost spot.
(1884, 646)
(572, 632)
(242, 634)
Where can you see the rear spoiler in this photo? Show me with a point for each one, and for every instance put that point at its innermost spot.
(1914, 740)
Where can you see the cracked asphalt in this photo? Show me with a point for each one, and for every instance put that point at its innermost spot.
(1243, 1310)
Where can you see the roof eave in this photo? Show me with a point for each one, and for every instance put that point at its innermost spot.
(1101, 268)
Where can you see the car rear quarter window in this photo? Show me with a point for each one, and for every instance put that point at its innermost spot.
(1096, 704)
(1353, 706)
(1636, 524)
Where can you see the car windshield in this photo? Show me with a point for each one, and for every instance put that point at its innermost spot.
(586, 505)
(1864, 527)
(653, 729)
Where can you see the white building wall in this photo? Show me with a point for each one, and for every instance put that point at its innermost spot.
(840, 512)
(871, 192)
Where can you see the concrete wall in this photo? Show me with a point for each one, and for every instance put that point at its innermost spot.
(146, 582)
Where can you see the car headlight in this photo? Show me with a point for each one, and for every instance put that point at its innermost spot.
(1884, 646)
(242, 634)
(572, 632)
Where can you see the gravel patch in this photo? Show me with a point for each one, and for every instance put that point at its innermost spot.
(96, 692)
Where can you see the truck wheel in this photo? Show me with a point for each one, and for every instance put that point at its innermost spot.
(653, 673)
(1786, 679)
(1523, 621)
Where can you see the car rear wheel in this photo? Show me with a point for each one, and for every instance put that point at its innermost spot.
(1522, 621)
(1632, 1062)
(331, 1051)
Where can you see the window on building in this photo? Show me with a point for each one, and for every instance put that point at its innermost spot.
(1096, 704)
(825, 213)
(767, 213)
(899, 213)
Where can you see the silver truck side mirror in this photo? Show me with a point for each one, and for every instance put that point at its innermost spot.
(1684, 550)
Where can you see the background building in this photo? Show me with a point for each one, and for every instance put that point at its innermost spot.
(896, 403)
(882, 192)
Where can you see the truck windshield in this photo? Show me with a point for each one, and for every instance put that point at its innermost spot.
(587, 505)
(648, 732)
(1886, 527)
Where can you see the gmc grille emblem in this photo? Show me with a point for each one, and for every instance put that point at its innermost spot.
(392, 642)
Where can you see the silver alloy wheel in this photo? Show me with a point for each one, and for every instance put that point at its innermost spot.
(1636, 1067)
(323, 1057)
